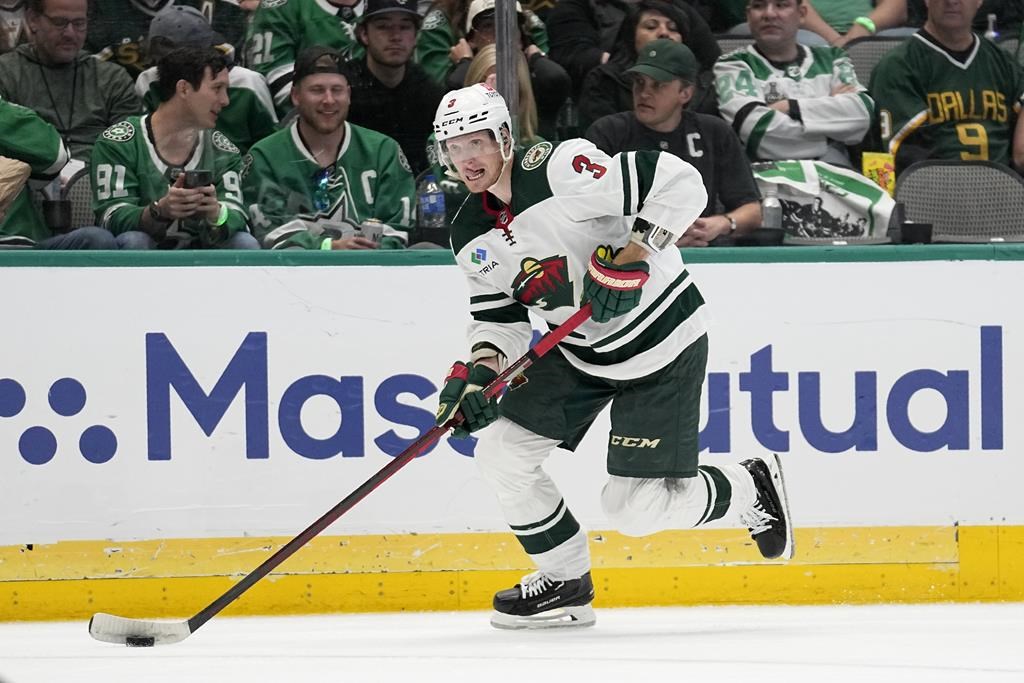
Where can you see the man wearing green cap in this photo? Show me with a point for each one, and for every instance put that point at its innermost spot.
(663, 83)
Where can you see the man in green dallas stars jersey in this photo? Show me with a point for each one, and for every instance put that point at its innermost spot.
(281, 29)
(538, 235)
(946, 93)
(147, 172)
(313, 184)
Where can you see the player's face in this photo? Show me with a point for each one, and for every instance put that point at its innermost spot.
(322, 101)
(477, 158)
(775, 22)
(390, 38)
(658, 104)
(952, 15)
(653, 25)
(59, 32)
(206, 102)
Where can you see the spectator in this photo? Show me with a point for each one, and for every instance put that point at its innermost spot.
(70, 89)
(26, 137)
(390, 93)
(441, 42)
(663, 83)
(840, 21)
(281, 29)
(483, 69)
(786, 100)
(948, 94)
(118, 28)
(313, 184)
(147, 170)
(13, 29)
(608, 89)
(1009, 15)
(583, 34)
(249, 115)
(550, 82)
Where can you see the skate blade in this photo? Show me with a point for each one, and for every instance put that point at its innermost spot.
(563, 617)
(775, 467)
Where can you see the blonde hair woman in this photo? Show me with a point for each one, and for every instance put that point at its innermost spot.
(483, 70)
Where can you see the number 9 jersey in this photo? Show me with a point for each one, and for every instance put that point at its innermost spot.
(950, 108)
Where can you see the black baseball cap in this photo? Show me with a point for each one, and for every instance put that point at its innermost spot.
(318, 59)
(375, 7)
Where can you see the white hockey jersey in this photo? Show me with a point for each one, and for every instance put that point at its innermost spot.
(746, 83)
(566, 201)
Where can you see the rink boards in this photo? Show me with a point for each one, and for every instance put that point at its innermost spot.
(167, 421)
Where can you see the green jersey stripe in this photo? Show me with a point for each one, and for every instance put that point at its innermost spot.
(513, 313)
(640, 319)
(723, 491)
(542, 542)
(544, 522)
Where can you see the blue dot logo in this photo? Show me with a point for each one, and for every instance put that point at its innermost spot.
(37, 445)
(67, 397)
(12, 398)
(98, 444)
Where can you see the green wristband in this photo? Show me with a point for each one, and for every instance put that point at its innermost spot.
(326, 244)
(222, 217)
(866, 23)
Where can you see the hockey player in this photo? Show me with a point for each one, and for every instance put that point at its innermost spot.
(947, 94)
(544, 230)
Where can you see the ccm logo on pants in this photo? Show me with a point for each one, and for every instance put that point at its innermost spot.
(634, 441)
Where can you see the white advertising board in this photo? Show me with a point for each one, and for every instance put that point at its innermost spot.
(143, 403)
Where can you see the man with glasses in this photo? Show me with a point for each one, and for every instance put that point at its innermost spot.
(70, 89)
(314, 184)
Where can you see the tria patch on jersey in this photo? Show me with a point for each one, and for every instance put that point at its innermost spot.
(536, 155)
(221, 141)
(544, 283)
(120, 132)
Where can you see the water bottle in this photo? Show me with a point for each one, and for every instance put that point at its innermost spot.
(991, 33)
(771, 209)
(430, 202)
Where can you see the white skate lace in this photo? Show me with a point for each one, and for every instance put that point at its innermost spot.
(757, 520)
(534, 584)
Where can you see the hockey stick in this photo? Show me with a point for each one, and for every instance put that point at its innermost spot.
(145, 633)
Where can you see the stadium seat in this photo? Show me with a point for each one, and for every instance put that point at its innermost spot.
(728, 42)
(79, 191)
(865, 53)
(965, 201)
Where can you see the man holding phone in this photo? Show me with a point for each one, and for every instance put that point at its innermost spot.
(168, 180)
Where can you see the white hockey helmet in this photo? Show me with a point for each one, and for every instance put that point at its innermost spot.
(468, 110)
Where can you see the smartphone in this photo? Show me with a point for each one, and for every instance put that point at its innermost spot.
(198, 178)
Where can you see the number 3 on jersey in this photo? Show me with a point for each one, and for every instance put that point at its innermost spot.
(581, 163)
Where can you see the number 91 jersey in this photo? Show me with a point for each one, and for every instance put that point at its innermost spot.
(567, 200)
(128, 174)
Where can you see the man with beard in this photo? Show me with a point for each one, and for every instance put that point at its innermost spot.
(315, 183)
(168, 180)
(385, 82)
(73, 91)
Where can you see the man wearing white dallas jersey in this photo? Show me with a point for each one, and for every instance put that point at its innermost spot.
(544, 230)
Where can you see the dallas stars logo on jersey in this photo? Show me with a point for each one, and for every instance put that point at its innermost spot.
(544, 284)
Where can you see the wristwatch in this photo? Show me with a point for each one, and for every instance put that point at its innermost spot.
(732, 223)
(156, 214)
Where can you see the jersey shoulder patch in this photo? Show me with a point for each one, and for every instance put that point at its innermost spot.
(536, 155)
(220, 141)
(435, 18)
(120, 132)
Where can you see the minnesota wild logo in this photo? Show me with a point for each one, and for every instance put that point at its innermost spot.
(544, 284)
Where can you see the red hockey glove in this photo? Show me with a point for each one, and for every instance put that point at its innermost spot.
(613, 289)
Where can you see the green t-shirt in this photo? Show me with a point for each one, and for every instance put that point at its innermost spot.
(839, 14)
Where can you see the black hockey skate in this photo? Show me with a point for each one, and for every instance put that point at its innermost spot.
(541, 602)
(768, 519)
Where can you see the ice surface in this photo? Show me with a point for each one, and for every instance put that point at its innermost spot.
(965, 643)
